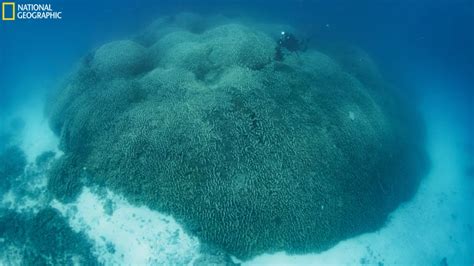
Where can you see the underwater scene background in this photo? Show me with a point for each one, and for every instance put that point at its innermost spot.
(238, 132)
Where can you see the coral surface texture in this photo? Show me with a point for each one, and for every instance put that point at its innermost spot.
(193, 117)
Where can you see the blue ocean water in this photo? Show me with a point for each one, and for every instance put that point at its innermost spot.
(425, 48)
(426, 36)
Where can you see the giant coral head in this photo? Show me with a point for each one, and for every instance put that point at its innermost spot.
(250, 154)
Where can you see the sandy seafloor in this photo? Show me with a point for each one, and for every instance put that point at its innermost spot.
(437, 223)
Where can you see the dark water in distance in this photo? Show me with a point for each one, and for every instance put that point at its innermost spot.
(406, 37)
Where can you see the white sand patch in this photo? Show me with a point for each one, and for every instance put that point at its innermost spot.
(8, 199)
(10, 254)
(28, 193)
(127, 235)
(437, 223)
(36, 136)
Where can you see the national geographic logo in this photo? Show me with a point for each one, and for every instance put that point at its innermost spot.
(8, 11)
(13, 11)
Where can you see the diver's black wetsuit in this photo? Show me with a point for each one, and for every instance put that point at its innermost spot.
(290, 43)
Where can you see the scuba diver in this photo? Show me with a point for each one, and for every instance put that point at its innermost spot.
(290, 43)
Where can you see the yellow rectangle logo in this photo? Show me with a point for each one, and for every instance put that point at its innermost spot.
(4, 5)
